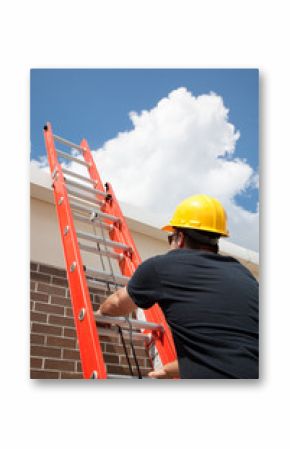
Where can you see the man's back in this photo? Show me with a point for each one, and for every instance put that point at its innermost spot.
(211, 304)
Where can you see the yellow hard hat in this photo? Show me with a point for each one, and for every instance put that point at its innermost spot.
(200, 212)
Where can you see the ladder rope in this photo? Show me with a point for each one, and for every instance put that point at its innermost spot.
(133, 348)
(126, 351)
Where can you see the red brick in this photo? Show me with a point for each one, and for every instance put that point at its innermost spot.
(62, 321)
(71, 354)
(140, 352)
(36, 339)
(115, 349)
(44, 375)
(137, 344)
(39, 317)
(96, 299)
(45, 329)
(52, 270)
(32, 285)
(69, 332)
(48, 308)
(79, 367)
(35, 363)
(100, 290)
(59, 300)
(39, 296)
(110, 358)
(60, 281)
(123, 361)
(44, 351)
(113, 340)
(68, 312)
(96, 307)
(40, 277)
(115, 369)
(71, 376)
(61, 342)
(59, 365)
(33, 266)
(51, 289)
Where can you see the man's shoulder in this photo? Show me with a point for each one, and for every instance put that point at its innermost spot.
(154, 262)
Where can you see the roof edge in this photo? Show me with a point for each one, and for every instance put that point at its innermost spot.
(139, 220)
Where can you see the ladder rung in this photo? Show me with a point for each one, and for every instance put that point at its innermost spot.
(122, 322)
(110, 217)
(100, 239)
(82, 208)
(85, 219)
(106, 276)
(81, 196)
(103, 332)
(72, 158)
(98, 285)
(103, 252)
(87, 189)
(76, 175)
(68, 143)
(95, 283)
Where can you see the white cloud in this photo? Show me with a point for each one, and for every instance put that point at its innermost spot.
(41, 163)
(183, 146)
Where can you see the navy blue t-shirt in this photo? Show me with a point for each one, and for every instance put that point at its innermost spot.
(211, 305)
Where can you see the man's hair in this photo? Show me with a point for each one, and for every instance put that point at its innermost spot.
(199, 239)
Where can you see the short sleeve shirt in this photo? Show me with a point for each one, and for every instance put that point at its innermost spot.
(210, 302)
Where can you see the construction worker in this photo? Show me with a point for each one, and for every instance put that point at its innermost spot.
(210, 301)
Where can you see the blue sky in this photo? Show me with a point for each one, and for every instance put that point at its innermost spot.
(95, 104)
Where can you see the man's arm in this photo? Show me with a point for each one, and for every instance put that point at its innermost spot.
(117, 304)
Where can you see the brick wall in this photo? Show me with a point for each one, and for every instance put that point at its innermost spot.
(54, 347)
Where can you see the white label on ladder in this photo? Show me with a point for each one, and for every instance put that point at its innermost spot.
(152, 350)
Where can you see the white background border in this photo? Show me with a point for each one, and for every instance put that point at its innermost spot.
(200, 414)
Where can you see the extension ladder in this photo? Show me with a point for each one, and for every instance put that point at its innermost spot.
(94, 203)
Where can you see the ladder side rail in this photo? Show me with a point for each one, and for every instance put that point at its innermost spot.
(165, 344)
(93, 172)
(90, 349)
(120, 233)
(115, 234)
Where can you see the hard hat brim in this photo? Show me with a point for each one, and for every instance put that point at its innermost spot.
(167, 228)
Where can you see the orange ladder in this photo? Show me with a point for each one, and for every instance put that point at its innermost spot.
(86, 199)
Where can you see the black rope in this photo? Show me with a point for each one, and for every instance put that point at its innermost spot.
(132, 347)
(126, 352)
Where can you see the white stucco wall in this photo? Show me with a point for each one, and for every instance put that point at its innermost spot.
(45, 241)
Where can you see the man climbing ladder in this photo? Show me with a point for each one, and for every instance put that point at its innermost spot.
(210, 301)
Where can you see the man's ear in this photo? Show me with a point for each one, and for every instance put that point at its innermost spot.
(180, 240)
